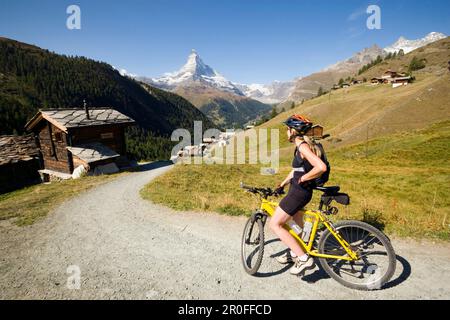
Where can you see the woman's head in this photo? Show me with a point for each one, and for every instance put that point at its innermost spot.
(297, 126)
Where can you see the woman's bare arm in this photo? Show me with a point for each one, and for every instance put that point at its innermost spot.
(288, 179)
(319, 167)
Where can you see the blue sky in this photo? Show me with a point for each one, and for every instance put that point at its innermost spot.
(248, 41)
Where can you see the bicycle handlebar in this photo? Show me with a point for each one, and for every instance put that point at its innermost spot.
(263, 192)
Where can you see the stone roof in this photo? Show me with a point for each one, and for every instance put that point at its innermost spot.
(75, 118)
(92, 152)
(17, 148)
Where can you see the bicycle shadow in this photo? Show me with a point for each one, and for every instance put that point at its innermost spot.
(273, 256)
(320, 274)
(404, 275)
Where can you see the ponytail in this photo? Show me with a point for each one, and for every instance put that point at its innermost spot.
(312, 145)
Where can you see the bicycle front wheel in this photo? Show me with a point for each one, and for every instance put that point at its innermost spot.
(377, 259)
(252, 249)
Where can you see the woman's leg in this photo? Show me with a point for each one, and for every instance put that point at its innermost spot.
(276, 224)
(298, 218)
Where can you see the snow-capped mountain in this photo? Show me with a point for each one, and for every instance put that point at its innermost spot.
(411, 45)
(194, 71)
(220, 99)
(274, 92)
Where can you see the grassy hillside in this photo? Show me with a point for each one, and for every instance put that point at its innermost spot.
(435, 56)
(402, 185)
(363, 111)
(388, 150)
(308, 87)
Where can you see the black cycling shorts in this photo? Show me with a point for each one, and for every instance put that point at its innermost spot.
(296, 200)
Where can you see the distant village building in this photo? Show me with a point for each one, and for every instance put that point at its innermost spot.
(392, 77)
(20, 161)
(377, 81)
(193, 151)
(227, 135)
(401, 81)
(390, 74)
(209, 140)
(69, 138)
(346, 85)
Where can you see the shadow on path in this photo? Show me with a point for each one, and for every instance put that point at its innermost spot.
(320, 274)
(153, 166)
(273, 273)
(406, 272)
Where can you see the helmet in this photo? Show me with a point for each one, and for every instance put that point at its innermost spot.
(299, 123)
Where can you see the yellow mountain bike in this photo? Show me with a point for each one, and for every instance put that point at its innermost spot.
(354, 253)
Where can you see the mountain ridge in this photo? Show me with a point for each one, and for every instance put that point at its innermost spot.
(307, 87)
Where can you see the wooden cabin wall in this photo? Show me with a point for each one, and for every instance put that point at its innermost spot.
(53, 144)
(17, 175)
(111, 136)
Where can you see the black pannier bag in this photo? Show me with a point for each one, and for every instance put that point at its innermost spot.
(341, 198)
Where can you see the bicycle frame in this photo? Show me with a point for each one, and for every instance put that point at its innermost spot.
(269, 207)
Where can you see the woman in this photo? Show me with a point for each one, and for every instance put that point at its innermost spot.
(307, 166)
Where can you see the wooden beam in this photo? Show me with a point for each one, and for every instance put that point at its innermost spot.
(49, 126)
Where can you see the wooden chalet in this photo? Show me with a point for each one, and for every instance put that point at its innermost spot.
(69, 138)
(336, 87)
(20, 161)
(400, 81)
(316, 132)
(389, 74)
(379, 81)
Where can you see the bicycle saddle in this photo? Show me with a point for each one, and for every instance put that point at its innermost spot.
(329, 190)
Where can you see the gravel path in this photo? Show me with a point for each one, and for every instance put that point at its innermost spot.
(128, 248)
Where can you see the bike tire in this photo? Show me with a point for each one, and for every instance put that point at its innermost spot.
(250, 268)
(363, 227)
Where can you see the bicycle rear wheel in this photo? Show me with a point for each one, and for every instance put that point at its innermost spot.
(252, 249)
(377, 261)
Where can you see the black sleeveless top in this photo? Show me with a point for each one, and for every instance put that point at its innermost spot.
(298, 163)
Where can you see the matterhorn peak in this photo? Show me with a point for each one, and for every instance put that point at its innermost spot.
(195, 70)
(194, 55)
(196, 67)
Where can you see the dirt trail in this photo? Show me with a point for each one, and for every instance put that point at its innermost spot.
(128, 248)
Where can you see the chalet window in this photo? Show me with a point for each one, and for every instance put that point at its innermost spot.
(57, 136)
(107, 135)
